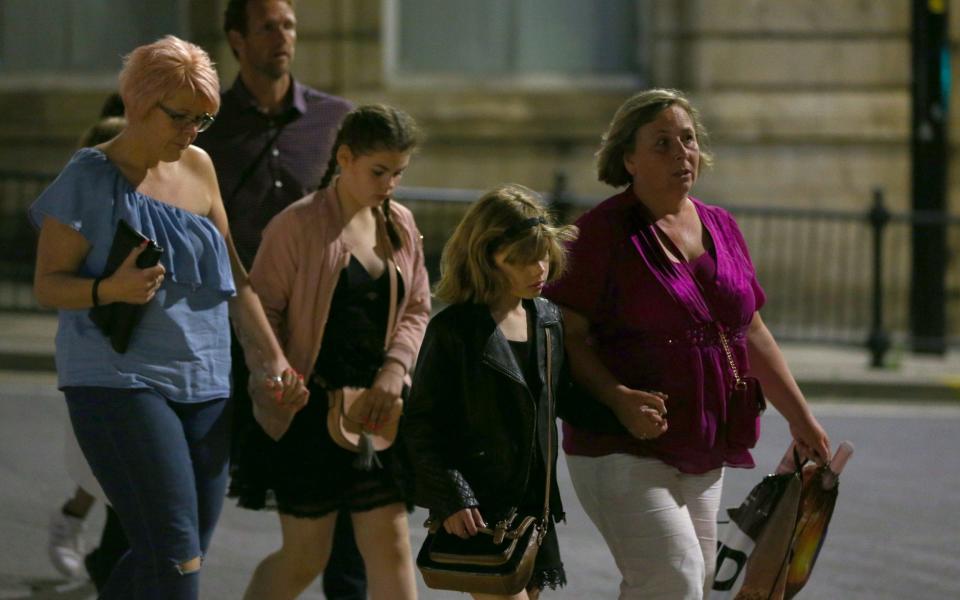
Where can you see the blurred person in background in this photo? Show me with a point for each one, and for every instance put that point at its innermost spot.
(270, 146)
(65, 543)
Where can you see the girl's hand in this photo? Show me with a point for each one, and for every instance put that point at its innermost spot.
(286, 390)
(383, 398)
(131, 284)
(464, 523)
(293, 392)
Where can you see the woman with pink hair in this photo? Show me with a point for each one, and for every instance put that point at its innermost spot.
(152, 418)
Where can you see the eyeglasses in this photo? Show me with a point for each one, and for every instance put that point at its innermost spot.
(183, 120)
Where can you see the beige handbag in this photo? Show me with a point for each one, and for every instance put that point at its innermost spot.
(347, 409)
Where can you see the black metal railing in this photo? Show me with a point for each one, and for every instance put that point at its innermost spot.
(831, 276)
(18, 239)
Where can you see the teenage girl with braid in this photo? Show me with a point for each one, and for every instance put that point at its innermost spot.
(321, 272)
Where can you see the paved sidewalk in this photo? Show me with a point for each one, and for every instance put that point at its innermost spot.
(26, 344)
(26, 341)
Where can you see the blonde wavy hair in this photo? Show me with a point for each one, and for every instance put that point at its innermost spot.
(500, 220)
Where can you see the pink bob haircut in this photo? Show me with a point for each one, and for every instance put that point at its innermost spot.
(155, 71)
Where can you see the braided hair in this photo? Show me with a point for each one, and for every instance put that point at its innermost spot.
(374, 128)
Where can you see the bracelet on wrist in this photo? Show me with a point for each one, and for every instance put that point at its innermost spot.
(94, 291)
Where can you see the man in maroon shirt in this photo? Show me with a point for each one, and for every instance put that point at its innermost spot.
(271, 141)
(270, 146)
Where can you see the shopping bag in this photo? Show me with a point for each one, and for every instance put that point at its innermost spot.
(753, 553)
(819, 496)
(774, 537)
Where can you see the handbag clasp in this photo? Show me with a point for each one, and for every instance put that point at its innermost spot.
(500, 530)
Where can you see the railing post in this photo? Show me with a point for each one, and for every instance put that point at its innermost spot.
(558, 197)
(879, 341)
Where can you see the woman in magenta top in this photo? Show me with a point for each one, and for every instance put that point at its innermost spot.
(654, 276)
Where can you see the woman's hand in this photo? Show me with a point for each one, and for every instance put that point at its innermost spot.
(464, 523)
(131, 284)
(812, 440)
(293, 391)
(644, 414)
(383, 399)
(286, 390)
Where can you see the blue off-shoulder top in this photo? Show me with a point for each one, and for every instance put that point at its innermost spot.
(181, 346)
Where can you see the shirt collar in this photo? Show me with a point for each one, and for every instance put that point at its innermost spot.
(296, 96)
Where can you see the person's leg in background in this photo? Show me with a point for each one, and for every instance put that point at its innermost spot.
(137, 445)
(345, 577)
(65, 536)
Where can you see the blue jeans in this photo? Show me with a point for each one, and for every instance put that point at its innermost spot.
(163, 466)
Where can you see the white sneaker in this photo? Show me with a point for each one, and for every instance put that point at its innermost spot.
(65, 544)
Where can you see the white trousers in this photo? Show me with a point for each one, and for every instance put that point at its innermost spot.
(660, 524)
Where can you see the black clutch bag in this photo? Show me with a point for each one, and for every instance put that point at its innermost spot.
(117, 320)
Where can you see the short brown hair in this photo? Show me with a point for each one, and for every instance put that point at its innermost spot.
(235, 18)
(235, 15)
(468, 272)
(633, 114)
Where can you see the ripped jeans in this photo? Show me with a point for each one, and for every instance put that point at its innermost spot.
(163, 466)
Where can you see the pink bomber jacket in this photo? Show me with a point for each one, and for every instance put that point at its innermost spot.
(298, 265)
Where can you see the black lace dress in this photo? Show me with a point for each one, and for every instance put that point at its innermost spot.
(548, 571)
(306, 474)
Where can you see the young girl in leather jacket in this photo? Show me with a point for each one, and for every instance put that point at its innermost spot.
(478, 422)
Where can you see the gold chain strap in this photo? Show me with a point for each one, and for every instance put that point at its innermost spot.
(738, 383)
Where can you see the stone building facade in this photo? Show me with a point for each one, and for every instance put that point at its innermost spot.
(807, 101)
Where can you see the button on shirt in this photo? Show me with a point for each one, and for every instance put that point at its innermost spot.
(290, 168)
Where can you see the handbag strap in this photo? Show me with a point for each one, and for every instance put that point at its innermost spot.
(392, 310)
(738, 383)
(250, 168)
(550, 428)
(392, 270)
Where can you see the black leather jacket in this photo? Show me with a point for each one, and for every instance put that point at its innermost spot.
(469, 423)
